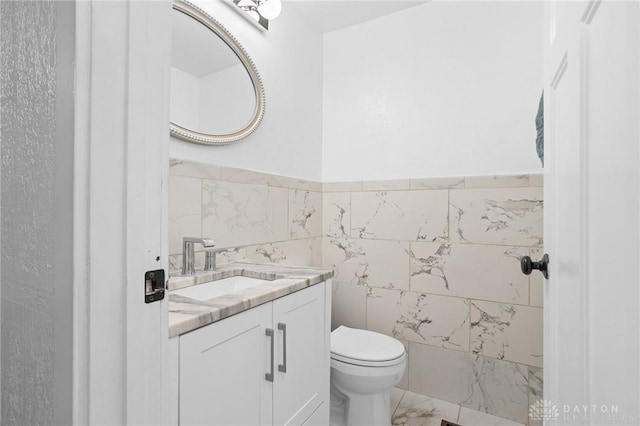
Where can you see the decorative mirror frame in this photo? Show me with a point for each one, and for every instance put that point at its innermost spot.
(189, 135)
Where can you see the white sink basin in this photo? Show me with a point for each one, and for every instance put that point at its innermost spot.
(217, 288)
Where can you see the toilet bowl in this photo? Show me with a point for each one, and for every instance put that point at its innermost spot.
(365, 365)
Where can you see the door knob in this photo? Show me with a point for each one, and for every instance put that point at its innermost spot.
(527, 265)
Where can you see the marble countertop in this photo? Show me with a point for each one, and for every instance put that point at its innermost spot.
(186, 314)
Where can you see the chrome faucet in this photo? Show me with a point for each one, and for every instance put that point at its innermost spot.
(188, 254)
(210, 259)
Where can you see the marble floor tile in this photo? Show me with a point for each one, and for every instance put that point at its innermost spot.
(409, 408)
(469, 417)
(416, 409)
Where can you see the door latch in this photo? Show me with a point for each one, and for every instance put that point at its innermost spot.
(153, 286)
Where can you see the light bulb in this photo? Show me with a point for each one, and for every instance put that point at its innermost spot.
(270, 9)
(248, 4)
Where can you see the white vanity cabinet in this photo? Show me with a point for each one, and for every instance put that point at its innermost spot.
(222, 365)
(268, 365)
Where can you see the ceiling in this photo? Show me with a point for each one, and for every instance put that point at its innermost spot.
(331, 15)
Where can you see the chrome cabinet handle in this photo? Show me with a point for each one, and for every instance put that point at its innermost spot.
(269, 376)
(283, 367)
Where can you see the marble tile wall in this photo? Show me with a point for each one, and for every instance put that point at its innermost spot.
(432, 262)
(249, 215)
(435, 263)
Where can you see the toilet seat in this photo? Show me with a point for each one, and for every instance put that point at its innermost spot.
(365, 348)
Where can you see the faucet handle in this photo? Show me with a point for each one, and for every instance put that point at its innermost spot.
(188, 255)
(208, 242)
(210, 258)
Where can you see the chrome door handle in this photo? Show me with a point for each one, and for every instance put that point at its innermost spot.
(527, 265)
(283, 367)
(269, 376)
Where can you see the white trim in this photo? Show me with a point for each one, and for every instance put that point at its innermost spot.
(121, 164)
(146, 326)
(583, 186)
(81, 215)
(590, 11)
(562, 67)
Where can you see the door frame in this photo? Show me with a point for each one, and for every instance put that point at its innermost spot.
(120, 209)
(590, 307)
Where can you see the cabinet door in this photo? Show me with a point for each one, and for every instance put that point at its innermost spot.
(222, 371)
(300, 390)
(320, 417)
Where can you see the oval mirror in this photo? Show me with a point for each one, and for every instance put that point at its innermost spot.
(217, 96)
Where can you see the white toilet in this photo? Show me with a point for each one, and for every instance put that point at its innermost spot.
(364, 367)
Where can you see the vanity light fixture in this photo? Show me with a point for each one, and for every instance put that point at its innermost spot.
(260, 11)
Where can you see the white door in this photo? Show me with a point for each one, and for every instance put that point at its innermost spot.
(299, 385)
(121, 140)
(592, 215)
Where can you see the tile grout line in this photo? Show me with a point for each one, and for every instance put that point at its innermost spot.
(404, 392)
(469, 313)
(448, 241)
(303, 183)
(446, 295)
(508, 361)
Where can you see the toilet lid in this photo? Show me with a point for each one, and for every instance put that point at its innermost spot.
(363, 345)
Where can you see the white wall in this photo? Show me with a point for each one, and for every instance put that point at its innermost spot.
(289, 60)
(185, 99)
(227, 100)
(441, 89)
